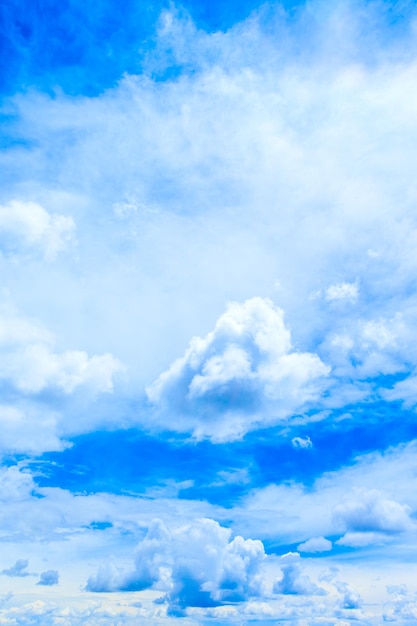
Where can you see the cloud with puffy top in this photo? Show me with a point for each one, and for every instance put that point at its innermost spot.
(30, 364)
(315, 544)
(294, 581)
(198, 565)
(369, 517)
(243, 375)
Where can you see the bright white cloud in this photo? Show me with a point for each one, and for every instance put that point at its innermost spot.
(242, 375)
(303, 443)
(30, 363)
(199, 565)
(27, 225)
(369, 510)
(315, 544)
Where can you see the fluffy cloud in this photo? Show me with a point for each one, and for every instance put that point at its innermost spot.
(29, 362)
(242, 375)
(198, 564)
(27, 225)
(293, 581)
(367, 510)
(315, 544)
(32, 371)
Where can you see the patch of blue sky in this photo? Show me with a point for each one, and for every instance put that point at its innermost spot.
(132, 462)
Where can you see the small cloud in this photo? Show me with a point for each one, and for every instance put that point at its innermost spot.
(49, 578)
(301, 443)
(27, 225)
(351, 599)
(18, 569)
(315, 544)
(347, 292)
(293, 581)
(362, 539)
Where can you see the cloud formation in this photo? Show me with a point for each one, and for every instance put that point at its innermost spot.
(294, 581)
(199, 565)
(242, 375)
(30, 363)
(18, 569)
(27, 226)
(368, 510)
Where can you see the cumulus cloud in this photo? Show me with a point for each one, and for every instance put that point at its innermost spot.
(199, 565)
(315, 544)
(48, 578)
(368, 510)
(28, 226)
(30, 363)
(293, 581)
(242, 375)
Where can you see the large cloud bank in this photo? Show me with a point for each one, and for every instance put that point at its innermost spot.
(242, 375)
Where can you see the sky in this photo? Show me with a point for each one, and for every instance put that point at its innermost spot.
(208, 313)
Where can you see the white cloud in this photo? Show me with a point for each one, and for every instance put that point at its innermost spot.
(198, 564)
(227, 156)
(30, 364)
(293, 581)
(363, 539)
(351, 598)
(315, 544)
(342, 502)
(348, 292)
(404, 390)
(302, 443)
(27, 225)
(366, 510)
(242, 375)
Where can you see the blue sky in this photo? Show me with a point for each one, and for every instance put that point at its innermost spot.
(208, 316)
